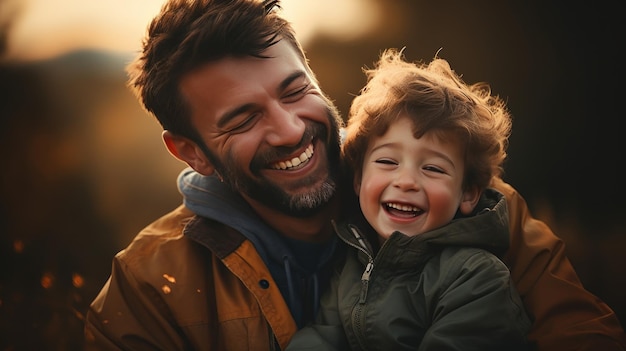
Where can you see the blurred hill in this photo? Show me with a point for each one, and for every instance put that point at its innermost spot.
(83, 170)
(84, 167)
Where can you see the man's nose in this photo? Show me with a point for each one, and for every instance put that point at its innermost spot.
(285, 127)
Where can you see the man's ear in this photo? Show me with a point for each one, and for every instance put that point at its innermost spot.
(469, 199)
(188, 152)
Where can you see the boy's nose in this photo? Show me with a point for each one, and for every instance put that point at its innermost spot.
(406, 179)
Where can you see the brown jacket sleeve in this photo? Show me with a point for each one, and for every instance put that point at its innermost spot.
(565, 315)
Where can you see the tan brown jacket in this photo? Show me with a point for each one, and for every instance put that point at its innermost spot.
(167, 292)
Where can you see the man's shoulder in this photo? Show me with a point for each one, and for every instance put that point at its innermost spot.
(158, 236)
(162, 250)
(172, 221)
(181, 232)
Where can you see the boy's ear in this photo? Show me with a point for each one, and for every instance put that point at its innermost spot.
(188, 152)
(357, 184)
(469, 199)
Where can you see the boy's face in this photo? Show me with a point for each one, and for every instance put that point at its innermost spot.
(268, 128)
(411, 185)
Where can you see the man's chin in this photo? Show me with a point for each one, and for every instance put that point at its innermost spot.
(302, 202)
(312, 202)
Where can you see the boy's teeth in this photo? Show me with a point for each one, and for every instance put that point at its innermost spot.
(402, 207)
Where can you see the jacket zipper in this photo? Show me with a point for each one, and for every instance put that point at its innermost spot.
(365, 280)
(357, 313)
(365, 277)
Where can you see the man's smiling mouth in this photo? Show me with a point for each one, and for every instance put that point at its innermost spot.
(304, 157)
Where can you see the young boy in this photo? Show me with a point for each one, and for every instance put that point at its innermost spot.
(423, 271)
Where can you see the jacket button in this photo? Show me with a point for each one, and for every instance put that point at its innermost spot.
(264, 284)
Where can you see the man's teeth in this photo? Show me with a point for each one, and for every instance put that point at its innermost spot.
(296, 161)
(400, 207)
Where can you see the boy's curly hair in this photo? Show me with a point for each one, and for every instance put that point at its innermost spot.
(437, 100)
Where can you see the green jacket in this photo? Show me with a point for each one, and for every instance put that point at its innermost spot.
(440, 290)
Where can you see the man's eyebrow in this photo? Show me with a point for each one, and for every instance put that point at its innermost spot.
(229, 115)
(290, 78)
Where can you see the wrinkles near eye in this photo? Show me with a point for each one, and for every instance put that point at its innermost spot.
(296, 94)
(242, 125)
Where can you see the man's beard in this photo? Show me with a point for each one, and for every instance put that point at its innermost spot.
(273, 195)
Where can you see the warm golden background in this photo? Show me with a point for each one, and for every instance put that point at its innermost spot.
(84, 168)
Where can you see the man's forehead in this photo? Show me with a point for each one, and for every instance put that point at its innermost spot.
(281, 60)
(228, 83)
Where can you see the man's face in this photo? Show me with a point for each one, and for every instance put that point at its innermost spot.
(270, 132)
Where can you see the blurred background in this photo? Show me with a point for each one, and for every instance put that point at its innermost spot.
(84, 167)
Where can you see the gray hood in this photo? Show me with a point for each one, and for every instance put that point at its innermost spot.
(296, 266)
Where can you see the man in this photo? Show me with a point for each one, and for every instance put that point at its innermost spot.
(240, 265)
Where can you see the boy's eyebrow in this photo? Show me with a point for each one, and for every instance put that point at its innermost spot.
(229, 115)
(443, 156)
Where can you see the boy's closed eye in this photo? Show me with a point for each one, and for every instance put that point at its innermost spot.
(431, 168)
(386, 161)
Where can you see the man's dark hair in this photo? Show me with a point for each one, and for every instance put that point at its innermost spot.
(188, 34)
